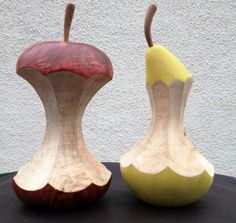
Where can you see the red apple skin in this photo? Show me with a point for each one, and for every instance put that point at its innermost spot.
(80, 59)
(53, 56)
(49, 197)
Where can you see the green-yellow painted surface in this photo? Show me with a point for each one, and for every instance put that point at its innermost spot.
(167, 188)
(162, 65)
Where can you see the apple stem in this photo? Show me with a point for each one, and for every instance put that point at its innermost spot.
(148, 22)
(68, 19)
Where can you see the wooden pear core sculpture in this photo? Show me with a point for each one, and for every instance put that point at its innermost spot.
(165, 169)
(66, 76)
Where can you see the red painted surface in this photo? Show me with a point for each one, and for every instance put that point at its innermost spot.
(54, 56)
(48, 197)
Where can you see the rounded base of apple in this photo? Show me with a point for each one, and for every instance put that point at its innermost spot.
(167, 188)
(49, 197)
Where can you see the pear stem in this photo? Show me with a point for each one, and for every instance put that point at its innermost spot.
(148, 22)
(68, 19)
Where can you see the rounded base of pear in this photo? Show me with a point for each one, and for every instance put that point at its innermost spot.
(167, 188)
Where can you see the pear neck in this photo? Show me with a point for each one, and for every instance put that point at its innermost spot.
(168, 104)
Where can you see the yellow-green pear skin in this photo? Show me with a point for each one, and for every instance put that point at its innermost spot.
(167, 188)
(162, 65)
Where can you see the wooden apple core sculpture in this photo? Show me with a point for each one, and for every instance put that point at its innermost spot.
(165, 169)
(66, 76)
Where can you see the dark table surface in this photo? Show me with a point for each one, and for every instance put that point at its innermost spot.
(120, 205)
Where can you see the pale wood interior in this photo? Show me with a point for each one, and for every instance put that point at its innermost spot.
(166, 144)
(63, 160)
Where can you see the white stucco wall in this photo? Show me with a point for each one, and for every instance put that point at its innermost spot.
(200, 33)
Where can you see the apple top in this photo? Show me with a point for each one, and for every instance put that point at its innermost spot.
(53, 56)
